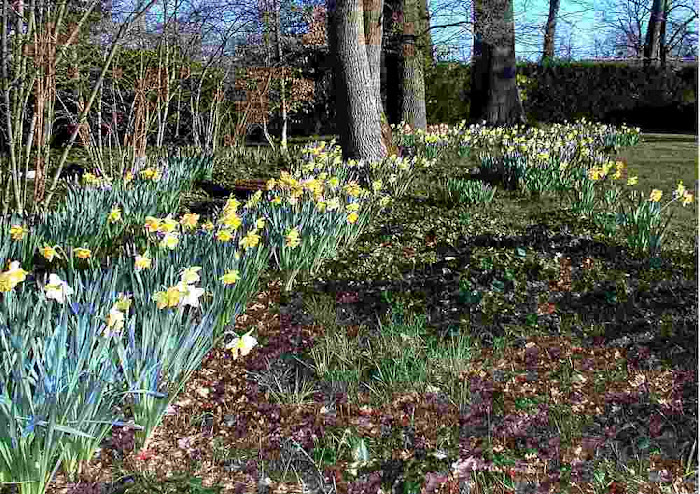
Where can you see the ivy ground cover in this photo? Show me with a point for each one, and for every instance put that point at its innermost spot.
(497, 312)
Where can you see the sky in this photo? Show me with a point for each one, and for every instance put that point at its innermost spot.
(578, 27)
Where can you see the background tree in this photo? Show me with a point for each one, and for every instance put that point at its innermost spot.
(550, 30)
(355, 41)
(413, 84)
(494, 94)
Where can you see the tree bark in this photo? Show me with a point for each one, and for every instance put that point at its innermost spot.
(550, 30)
(494, 94)
(413, 104)
(358, 116)
(653, 37)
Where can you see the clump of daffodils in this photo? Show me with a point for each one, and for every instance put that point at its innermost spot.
(184, 293)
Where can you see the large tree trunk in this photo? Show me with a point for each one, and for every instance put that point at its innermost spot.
(413, 104)
(358, 117)
(653, 38)
(494, 94)
(550, 30)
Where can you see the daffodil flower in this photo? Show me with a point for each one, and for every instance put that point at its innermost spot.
(82, 253)
(293, 238)
(189, 220)
(224, 235)
(231, 205)
(169, 241)
(142, 262)
(190, 275)
(17, 232)
(15, 273)
(123, 303)
(115, 215)
(152, 224)
(190, 294)
(260, 223)
(57, 289)
(655, 195)
(48, 252)
(168, 225)
(115, 319)
(250, 240)
(352, 218)
(231, 220)
(230, 277)
(242, 345)
(208, 226)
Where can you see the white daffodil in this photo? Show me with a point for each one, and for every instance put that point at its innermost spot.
(190, 294)
(57, 289)
(243, 344)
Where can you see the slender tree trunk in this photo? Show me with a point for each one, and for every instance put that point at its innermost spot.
(550, 30)
(413, 104)
(494, 96)
(358, 117)
(653, 37)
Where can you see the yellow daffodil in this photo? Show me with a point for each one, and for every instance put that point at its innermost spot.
(168, 225)
(687, 198)
(169, 241)
(655, 195)
(17, 232)
(333, 182)
(353, 207)
(82, 253)
(224, 235)
(90, 179)
(169, 298)
(123, 303)
(680, 190)
(292, 238)
(208, 226)
(321, 205)
(6, 284)
(230, 277)
(632, 180)
(260, 223)
(242, 345)
(250, 240)
(231, 205)
(271, 184)
(189, 220)
(49, 252)
(57, 289)
(254, 200)
(115, 215)
(150, 174)
(352, 218)
(189, 275)
(276, 201)
(231, 220)
(352, 189)
(15, 273)
(128, 177)
(152, 224)
(142, 262)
